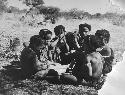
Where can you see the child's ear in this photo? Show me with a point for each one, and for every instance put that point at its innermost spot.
(104, 41)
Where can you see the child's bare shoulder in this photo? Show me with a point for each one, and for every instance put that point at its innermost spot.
(106, 51)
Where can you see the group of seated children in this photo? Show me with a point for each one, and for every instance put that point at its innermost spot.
(87, 57)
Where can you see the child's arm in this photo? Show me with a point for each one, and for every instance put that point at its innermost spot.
(71, 64)
(105, 51)
(39, 65)
(54, 43)
(77, 44)
(90, 68)
(89, 65)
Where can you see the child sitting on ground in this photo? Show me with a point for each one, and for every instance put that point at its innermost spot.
(102, 37)
(87, 68)
(33, 59)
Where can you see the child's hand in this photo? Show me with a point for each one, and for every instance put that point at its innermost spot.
(88, 64)
(98, 49)
(72, 51)
(43, 66)
(58, 50)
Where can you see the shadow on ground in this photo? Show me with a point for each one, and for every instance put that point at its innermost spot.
(13, 82)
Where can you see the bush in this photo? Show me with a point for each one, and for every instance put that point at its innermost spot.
(2, 6)
(49, 12)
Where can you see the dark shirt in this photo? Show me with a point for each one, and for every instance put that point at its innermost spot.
(28, 60)
(60, 44)
(88, 44)
(71, 41)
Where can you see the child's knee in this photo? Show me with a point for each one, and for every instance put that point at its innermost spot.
(41, 74)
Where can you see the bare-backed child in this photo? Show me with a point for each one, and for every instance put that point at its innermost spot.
(103, 37)
(92, 66)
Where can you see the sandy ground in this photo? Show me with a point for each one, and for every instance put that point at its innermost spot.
(115, 84)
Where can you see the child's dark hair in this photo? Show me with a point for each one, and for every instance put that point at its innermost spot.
(35, 40)
(81, 26)
(104, 33)
(58, 28)
(43, 33)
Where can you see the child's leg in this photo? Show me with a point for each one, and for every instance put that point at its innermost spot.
(41, 74)
(52, 76)
(68, 79)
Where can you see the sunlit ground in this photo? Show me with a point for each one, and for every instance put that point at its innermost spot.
(115, 84)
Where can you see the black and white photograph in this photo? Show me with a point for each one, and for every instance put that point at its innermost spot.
(62, 47)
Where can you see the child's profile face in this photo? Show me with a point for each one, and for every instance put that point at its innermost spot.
(48, 39)
(85, 29)
(39, 47)
(48, 36)
(100, 40)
